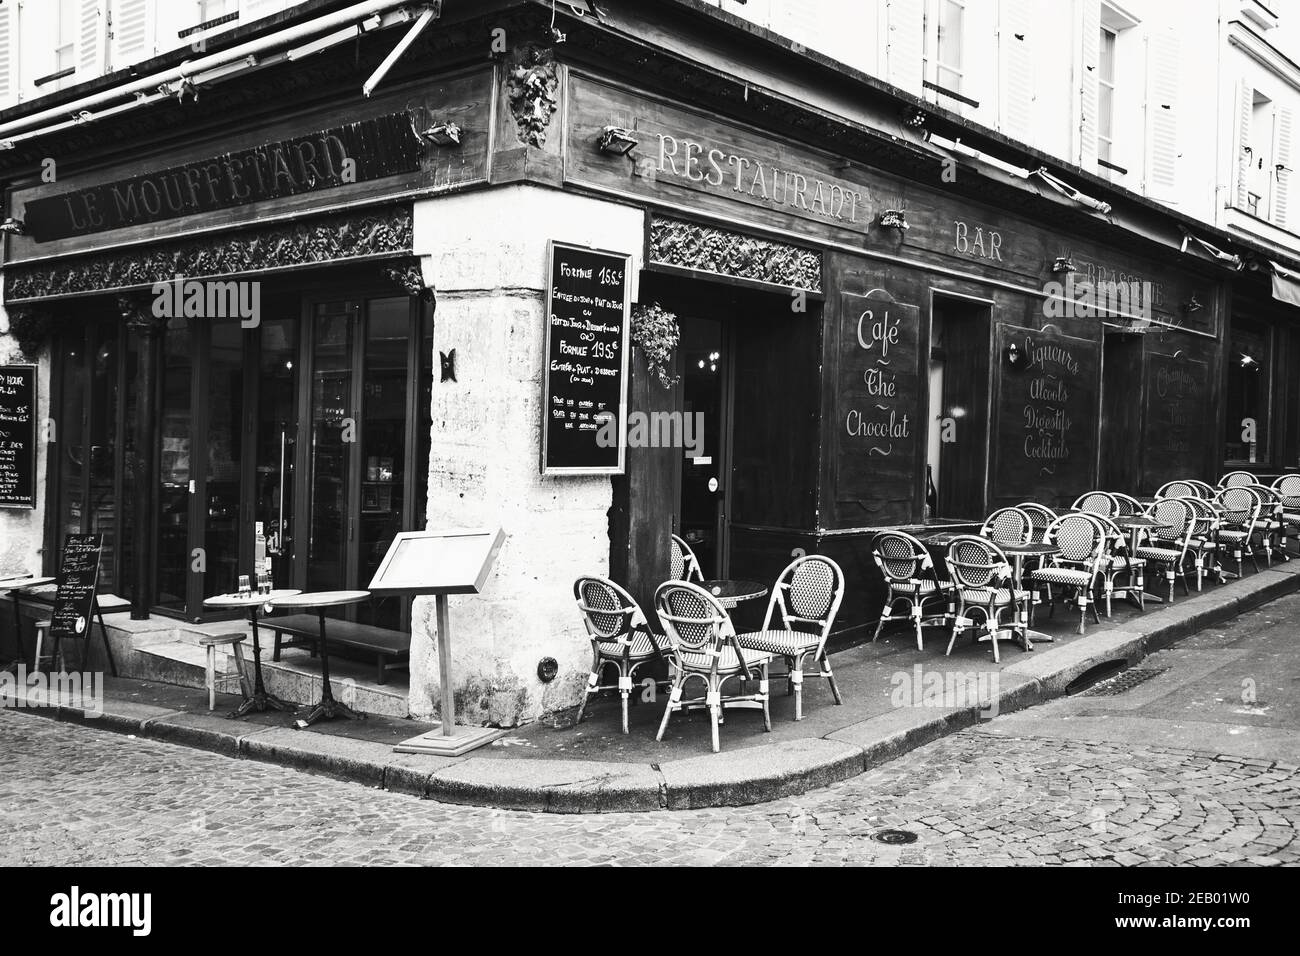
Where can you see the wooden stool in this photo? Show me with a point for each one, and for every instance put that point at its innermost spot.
(42, 629)
(212, 642)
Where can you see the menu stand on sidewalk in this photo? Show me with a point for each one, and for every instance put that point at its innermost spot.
(441, 563)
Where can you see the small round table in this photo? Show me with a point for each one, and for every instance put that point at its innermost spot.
(1134, 525)
(318, 602)
(253, 603)
(731, 593)
(15, 587)
(1018, 553)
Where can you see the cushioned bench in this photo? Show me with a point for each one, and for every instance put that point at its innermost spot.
(392, 648)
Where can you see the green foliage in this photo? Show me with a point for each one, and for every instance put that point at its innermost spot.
(655, 332)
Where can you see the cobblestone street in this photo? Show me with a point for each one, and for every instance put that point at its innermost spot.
(1163, 765)
(94, 797)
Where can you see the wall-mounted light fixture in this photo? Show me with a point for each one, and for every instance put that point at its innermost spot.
(914, 117)
(1192, 305)
(616, 140)
(1013, 354)
(547, 668)
(1248, 362)
(894, 219)
(442, 134)
(12, 226)
(1064, 264)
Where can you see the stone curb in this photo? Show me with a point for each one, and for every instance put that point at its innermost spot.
(730, 778)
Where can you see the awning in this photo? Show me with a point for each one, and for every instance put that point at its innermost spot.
(1286, 284)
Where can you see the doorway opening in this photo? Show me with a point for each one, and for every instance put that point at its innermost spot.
(958, 433)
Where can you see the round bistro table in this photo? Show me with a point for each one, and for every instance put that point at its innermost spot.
(15, 587)
(731, 593)
(253, 603)
(1018, 553)
(1134, 525)
(328, 707)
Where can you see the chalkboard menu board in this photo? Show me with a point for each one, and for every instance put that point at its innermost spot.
(18, 436)
(877, 433)
(1173, 418)
(74, 601)
(585, 382)
(1047, 415)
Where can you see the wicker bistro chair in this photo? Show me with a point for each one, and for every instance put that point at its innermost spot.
(1041, 515)
(982, 582)
(1098, 503)
(1077, 567)
(1128, 505)
(1181, 489)
(1172, 548)
(683, 565)
(1115, 561)
(1239, 506)
(1204, 490)
(807, 597)
(1008, 526)
(1271, 527)
(705, 647)
(1288, 487)
(1204, 539)
(620, 636)
(910, 576)
(1237, 479)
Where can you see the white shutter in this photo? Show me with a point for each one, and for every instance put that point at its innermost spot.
(132, 29)
(1162, 115)
(92, 39)
(250, 10)
(1245, 107)
(1089, 62)
(1282, 124)
(798, 20)
(7, 49)
(1016, 61)
(906, 43)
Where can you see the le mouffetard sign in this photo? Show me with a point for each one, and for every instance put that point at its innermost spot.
(352, 153)
(878, 394)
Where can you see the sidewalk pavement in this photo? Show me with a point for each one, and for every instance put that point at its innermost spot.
(891, 705)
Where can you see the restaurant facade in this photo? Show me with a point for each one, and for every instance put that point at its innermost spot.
(286, 306)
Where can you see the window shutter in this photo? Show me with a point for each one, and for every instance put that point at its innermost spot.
(1015, 39)
(1162, 115)
(1245, 106)
(1282, 123)
(7, 84)
(92, 37)
(1089, 58)
(798, 20)
(906, 43)
(132, 39)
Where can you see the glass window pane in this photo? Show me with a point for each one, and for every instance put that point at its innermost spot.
(1250, 365)
(333, 429)
(276, 430)
(174, 465)
(225, 405)
(105, 515)
(71, 443)
(950, 29)
(384, 417)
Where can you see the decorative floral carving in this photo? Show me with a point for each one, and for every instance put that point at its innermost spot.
(709, 249)
(532, 86)
(347, 236)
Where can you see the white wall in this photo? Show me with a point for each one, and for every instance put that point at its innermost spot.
(489, 266)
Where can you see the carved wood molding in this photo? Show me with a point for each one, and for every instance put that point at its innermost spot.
(532, 88)
(689, 245)
(355, 235)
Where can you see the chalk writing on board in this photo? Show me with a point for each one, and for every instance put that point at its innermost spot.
(18, 436)
(877, 334)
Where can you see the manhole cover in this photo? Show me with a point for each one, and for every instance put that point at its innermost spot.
(894, 836)
(1125, 681)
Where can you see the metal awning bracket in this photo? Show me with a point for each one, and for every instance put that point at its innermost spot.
(428, 14)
